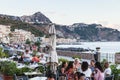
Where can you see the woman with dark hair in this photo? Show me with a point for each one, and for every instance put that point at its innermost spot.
(99, 72)
(64, 66)
(85, 69)
(70, 71)
(62, 71)
(76, 76)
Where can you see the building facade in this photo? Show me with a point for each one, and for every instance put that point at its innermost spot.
(20, 36)
(4, 33)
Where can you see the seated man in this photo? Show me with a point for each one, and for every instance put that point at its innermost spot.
(42, 59)
(26, 56)
(107, 71)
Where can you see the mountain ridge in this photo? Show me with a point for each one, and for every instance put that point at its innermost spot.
(79, 31)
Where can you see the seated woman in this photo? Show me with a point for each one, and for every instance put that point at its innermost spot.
(35, 59)
(70, 71)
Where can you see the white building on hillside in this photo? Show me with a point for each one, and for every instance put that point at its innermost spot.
(20, 36)
(4, 33)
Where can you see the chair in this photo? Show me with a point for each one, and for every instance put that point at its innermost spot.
(20, 77)
(111, 77)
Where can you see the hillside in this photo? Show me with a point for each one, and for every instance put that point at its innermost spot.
(17, 24)
(38, 25)
(89, 32)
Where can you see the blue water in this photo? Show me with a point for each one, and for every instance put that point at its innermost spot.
(106, 47)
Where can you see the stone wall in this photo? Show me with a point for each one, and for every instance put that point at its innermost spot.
(88, 56)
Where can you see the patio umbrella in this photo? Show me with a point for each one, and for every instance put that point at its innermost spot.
(53, 53)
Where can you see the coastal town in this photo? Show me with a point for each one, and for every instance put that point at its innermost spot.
(59, 40)
(20, 36)
(24, 56)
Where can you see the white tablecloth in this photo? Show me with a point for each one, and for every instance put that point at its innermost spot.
(39, 78)
(32, 66)
(32, 73)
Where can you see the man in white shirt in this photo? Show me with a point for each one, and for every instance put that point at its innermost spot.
(26, 56)
(107, 71)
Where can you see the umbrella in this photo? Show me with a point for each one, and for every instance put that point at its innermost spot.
(53, 53)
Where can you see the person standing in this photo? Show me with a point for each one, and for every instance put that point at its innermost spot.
(85, 69)
(99, 72)
(107, 71)
(96, 54)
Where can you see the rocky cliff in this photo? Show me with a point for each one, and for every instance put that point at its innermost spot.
(88, 32)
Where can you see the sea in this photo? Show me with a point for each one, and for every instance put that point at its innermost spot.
(105, 47)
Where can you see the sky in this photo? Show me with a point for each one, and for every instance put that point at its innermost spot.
(67, 12)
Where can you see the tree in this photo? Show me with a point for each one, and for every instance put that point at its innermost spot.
(37, 43)
(27, 41)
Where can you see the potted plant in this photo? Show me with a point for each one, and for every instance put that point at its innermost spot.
(8, 69)
(21, 71)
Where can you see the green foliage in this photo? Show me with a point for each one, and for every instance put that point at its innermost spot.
(6, 53)
(115, 72)
(103, 62)
(37, 43)
(40, 69)
(21, 71)
(26, 69)
(2, 54)
(27, 41)
(62, 60)
(8, 68)
(34, 52)
(79, 57)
